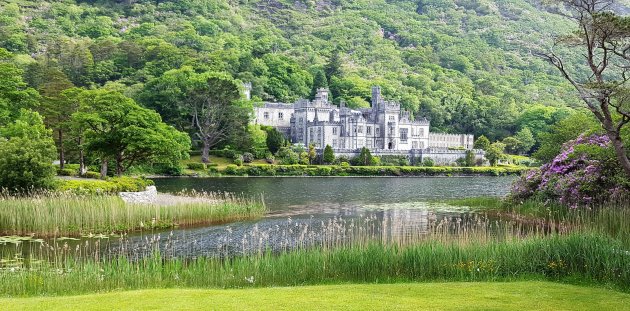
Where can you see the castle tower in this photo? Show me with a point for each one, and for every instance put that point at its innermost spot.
(376, 96)
(322, 95)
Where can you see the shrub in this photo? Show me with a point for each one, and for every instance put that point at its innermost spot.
(428, 162)
(67, 172)
(329, 155)
(231, 169)
(585, 172)
(196, 166)
(92, 175)
(109, 186)
(269, 158)
(238, 159)
(287, 156)
(304, 158)
(248, 157)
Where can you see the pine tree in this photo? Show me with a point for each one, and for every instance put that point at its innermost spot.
(329, 155)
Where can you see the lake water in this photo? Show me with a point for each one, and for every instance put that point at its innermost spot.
(309, 211)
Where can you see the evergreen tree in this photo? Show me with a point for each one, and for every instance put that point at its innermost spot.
(365, 157)
(329, 155)
(319, 81)
(275, 139)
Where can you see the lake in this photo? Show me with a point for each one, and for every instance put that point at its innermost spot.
(308, 211)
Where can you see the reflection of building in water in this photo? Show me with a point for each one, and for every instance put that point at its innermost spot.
(399, 225)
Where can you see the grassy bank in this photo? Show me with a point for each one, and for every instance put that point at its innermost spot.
(338, 170)
(575, 258)
(73, 215)
(534, 295)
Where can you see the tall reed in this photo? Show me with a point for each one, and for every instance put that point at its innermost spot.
(581, 246)
(73, 215)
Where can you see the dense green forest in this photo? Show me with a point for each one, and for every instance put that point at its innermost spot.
(467, 65)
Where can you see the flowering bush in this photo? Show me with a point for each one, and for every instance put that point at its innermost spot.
(585, 171)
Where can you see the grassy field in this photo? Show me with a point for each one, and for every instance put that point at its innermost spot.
(532, 295)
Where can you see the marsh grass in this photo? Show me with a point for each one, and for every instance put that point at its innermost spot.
(59, 215)
(581, 247)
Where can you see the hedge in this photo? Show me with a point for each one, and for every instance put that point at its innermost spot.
(109, 186)
(338, 170)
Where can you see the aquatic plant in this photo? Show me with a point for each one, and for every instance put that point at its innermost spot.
(67, 214)
(580, 246)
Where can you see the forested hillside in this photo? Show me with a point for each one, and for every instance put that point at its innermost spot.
(465, 64)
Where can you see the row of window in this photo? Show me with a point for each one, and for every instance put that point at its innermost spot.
(280, 115)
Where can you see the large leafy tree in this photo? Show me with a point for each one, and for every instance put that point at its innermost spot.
(603, 38)
(27, 152)
(15, 94)
(216, 110)
(116, 128)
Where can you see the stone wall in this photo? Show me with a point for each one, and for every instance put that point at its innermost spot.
(148, 196)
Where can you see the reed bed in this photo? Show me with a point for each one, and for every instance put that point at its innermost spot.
(47, 215)
(580, 247)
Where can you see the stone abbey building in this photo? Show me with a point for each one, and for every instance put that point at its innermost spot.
(385, 128)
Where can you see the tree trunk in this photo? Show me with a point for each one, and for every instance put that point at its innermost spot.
(62, 153)
(119, 165)
(205, 151)
(620, 151)
(82, 168)
(103, 168)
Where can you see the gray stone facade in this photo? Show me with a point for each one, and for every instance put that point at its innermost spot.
(384, 128)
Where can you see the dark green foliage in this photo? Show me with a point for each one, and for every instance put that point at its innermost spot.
(568, 129)
(469, 159)
(495, 152)
(196, 166)
(275, 139)
(329, 155)
(458, 76)
(364, 158)
(27, 152)
(119, 129)
(287, 156)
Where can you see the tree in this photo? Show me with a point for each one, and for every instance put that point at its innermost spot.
(482, 143)
(333, 67)
(495, 153)
(568, 129)
(603, 38)
(319, 81)
(27, 152)
(329, 155)
(469, 160)
(14, 92)
(275, 139)
(364, 158)
(215, 111)
(312, 154)
(526, 139)
(512, 144)
(117, 128)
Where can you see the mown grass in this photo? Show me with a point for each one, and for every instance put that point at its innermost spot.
(529, 295)
(72, 215)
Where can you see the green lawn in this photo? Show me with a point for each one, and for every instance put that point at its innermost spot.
(533, 295)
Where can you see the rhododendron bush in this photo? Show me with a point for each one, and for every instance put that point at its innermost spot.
(586, 171)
